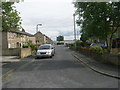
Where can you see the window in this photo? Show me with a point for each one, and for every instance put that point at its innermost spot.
(9, 45)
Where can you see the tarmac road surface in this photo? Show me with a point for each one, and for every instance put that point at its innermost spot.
(61, 71)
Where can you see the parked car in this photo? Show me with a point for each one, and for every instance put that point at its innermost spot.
(45, 50)
(98, 44)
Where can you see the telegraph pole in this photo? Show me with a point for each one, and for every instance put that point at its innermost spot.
(74, 30)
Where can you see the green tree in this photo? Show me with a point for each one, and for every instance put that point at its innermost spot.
(99, 19)
(10, 17)
(84, 37)
(60, 38)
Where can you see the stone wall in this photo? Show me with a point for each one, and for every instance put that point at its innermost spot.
(105, 58)
(11, 52)
(113, 59)
(25, 52)
(21, 52)
(115, 51)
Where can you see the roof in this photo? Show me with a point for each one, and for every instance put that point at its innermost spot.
(42, 34)
(21, 32)
(38, 33)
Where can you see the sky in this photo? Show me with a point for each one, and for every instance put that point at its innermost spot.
(56, 17)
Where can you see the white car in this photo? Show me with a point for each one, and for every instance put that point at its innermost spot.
(45, 50)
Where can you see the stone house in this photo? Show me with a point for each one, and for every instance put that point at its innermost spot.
(16, 39)
(48, 40)
(39, 38)
(42, 38)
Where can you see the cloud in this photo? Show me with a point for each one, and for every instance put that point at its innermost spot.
(71, 37)
(56, 16)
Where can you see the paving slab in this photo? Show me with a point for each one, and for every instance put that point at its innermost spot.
(7, 59)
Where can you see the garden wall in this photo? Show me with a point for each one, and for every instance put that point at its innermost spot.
(105, 58)
(21, 52)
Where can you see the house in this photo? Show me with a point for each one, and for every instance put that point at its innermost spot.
(48, 40)
(42, 38)
(16, 39)
(12, 42)
(39, 38)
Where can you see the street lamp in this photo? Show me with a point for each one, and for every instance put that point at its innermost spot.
(37, 27)
(74, 30)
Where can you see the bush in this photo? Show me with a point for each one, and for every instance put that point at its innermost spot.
(79, 43)
(33, 47)
(96, 49)
(82, 44)
(25, 46)
(60, 43)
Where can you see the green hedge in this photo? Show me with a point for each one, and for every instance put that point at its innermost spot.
(25, 46)
(96, 49)
(33, 47)
(82, 44)
(60, 43)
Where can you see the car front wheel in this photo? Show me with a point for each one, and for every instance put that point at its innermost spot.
(50, 56)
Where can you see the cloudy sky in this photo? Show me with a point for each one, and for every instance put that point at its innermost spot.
(56, 17)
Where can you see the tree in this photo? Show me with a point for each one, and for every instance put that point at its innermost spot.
(99, 19)
(60, 38)
(10, 17)
(84, 37)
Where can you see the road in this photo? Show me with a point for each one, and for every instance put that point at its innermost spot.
(61, 71)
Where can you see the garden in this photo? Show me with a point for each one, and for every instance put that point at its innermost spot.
(95, 52)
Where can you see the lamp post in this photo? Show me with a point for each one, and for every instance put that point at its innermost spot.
(74, 30)
(37, 27)
(37, 40)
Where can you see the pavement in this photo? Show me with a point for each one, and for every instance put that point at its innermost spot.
(102, 68)
(8, 59)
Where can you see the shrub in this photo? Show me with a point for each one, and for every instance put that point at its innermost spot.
(25, 46)
(96, 49)
(33, 47)
(79, 43)
(60, 43)
(71, 45)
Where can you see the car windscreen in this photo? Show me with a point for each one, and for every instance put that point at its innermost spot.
(44, 47)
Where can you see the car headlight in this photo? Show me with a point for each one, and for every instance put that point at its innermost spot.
(38, 53)
(48, 52)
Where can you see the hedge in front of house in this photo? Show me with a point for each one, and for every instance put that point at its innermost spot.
(33, 47)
